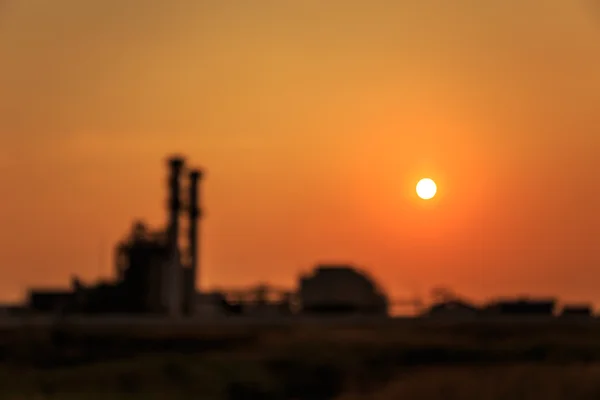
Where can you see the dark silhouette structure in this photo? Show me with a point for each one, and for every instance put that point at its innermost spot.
(577, 310)
(452, 308)
(260, 300)
(172, 279)
(194, 214)
(154, 276)
(523, 307)
(51, 300)
(520, 307)
(341, 289)
(157, 273)
(142, 263)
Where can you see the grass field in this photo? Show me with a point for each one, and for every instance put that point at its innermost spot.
(403, 361)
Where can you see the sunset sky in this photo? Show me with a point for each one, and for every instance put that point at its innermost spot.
(314, 121)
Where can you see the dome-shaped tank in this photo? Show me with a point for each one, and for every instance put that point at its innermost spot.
(341, 289)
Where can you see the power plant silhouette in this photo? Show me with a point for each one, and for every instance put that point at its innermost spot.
(157, 272)
(156, 275)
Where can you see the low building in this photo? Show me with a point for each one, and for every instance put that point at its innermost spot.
(577, 310)
(522, 307)
(50, 301)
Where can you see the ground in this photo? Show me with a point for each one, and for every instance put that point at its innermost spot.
(413, 360)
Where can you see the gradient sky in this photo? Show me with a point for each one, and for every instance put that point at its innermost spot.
(314, 121)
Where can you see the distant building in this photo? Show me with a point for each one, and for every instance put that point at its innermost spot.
(525, 307)
(51, 301)
(341, 289)
(577, 310)
(154, 275)
(142, 265)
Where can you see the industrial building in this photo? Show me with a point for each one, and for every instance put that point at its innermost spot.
(341, 289)
(153, 274)
(156, 273)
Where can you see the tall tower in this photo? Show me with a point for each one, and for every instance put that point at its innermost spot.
(194, 214)
(172, 277)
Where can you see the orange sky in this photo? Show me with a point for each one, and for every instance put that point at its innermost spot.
(314, 122)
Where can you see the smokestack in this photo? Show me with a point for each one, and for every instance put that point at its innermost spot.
(173, 270)
(176, 167)
(194, 215)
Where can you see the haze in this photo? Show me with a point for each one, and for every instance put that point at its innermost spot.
(314, 121)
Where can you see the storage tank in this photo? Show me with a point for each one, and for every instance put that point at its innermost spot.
(341, 289)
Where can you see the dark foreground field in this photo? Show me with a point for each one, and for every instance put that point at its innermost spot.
(402, 361)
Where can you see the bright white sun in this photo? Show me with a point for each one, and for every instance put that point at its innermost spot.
(426, 188)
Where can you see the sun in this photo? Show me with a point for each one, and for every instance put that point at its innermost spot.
(426, 188)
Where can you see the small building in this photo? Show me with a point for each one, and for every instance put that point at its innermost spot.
(50, 301)
(141, 262)
(522, 307)
(577, 310)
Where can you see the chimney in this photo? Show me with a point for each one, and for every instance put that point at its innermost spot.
(173, 270)
(194, 214)
(176, 167)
